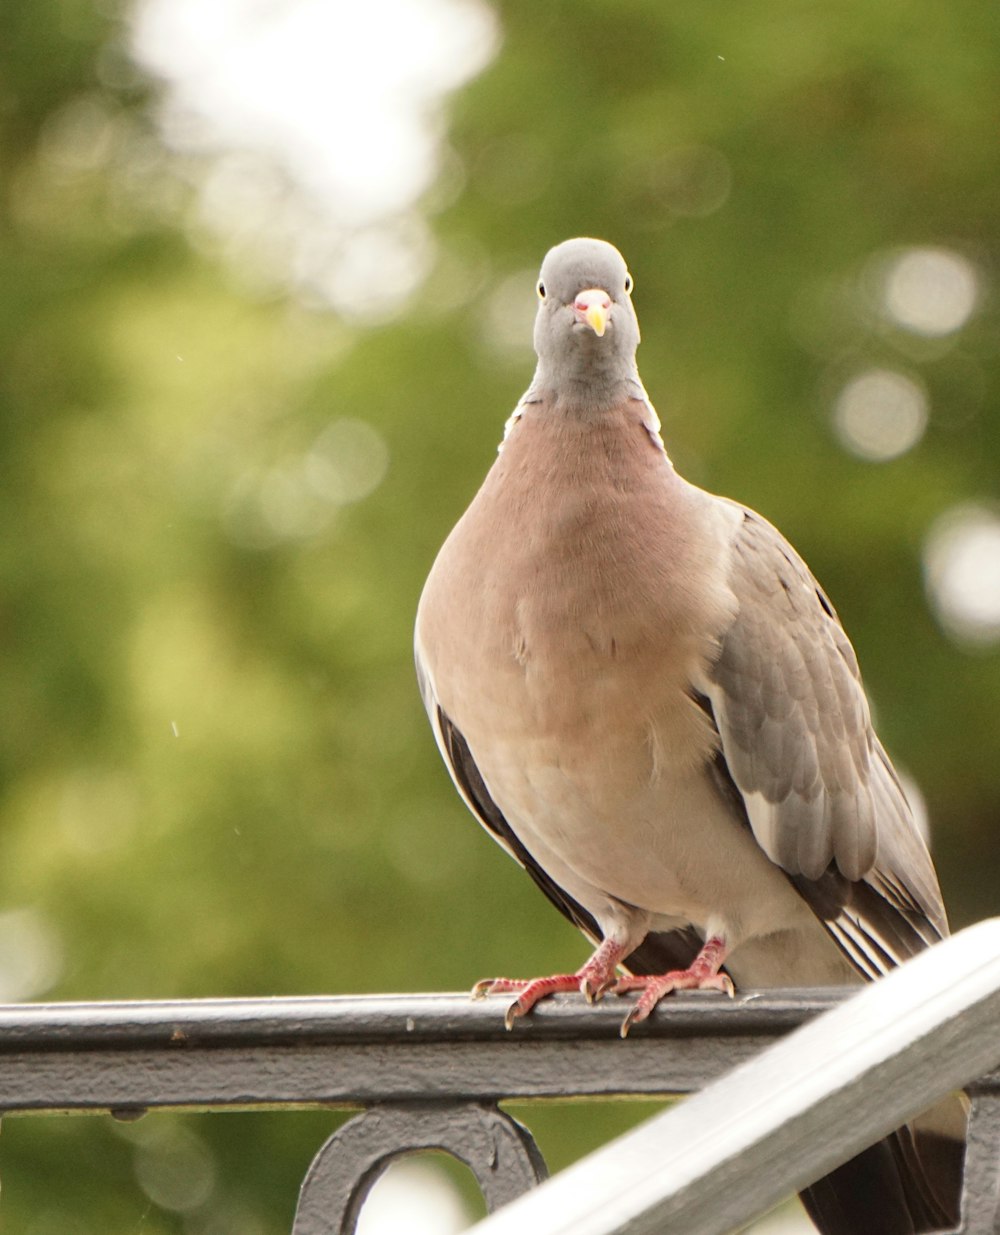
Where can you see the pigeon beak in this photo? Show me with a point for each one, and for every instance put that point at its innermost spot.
(593, 306)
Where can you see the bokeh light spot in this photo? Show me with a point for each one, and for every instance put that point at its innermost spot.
(693, 181)
(962, 573)
(931, 292)
(175, 1169)
(880, 414)
(299, 496)
(30, 955)
(372, 276)
(314, 131)
(510, 314)
(286, 504)
(413, 1196)
(348, 461)
(80, 137)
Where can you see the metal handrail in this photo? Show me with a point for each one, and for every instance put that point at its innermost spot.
(350, 1051)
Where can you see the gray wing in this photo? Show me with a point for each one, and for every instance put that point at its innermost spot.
(814, 782)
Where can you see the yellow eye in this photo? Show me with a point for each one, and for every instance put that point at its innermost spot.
(540, 289)
(629, 284)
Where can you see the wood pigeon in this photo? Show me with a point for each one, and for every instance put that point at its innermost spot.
(644, 695)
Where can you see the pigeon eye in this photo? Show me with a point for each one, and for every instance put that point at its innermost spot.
(629, 284)
(540, 289)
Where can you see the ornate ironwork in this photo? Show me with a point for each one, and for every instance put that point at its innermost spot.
(500, 1152)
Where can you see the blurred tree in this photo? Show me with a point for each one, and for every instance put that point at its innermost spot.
(221, 504)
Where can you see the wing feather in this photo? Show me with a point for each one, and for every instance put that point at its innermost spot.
(802, 760)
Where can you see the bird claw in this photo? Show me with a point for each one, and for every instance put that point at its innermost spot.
(497, 986)
(593, 991)
(504, 986)
(514, 1010)
(593, 980)
(654, 989)
(632, 1016)
(529, 992)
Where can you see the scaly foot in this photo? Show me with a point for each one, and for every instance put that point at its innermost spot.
(596, 977)
(701, 975)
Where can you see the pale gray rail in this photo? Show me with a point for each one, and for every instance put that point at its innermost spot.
(429, 1072)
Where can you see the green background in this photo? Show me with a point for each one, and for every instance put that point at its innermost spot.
(216, 774)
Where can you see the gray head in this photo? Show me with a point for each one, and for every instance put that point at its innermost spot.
(586, 331)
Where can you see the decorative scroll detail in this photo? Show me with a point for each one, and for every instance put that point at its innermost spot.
(499, 1151)
(981, 1198)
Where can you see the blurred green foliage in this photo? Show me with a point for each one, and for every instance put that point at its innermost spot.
(216, 774)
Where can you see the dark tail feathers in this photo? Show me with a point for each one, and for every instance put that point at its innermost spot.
(908, 1184)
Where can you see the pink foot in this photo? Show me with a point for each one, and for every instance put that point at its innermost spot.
(702, 975)
(596, 977)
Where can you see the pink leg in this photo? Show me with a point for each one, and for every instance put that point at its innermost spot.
(596, 976)
(701, 975)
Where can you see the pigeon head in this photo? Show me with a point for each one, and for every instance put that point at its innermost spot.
(586, 331)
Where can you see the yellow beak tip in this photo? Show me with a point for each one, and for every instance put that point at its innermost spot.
(597, 320)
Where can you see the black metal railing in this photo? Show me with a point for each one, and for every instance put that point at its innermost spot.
(429, 1071)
